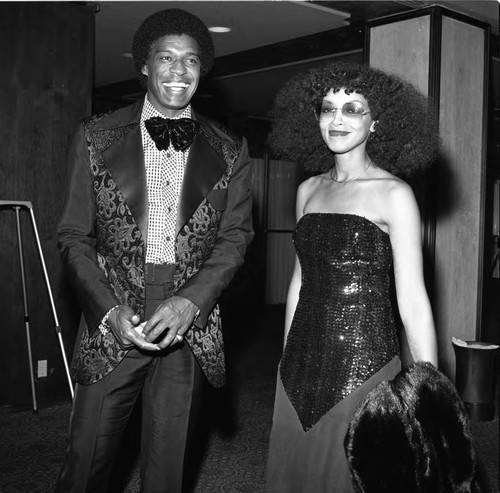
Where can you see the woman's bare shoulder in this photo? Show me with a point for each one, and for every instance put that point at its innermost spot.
(389, 184)
(311, 184)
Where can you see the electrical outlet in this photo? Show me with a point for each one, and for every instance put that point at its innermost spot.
(42, 368)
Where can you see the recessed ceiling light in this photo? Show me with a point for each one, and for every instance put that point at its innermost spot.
(219, 29)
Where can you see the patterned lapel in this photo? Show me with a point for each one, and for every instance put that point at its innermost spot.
(204, 169)
(124, 159)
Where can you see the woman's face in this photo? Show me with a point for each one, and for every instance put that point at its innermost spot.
(345, 121)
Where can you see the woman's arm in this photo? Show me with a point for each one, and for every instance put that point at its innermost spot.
(413, 302)
(293, 296)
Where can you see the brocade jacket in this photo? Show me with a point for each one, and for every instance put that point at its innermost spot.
(103, 230)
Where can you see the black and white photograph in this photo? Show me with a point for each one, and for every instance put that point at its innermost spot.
(250, 246)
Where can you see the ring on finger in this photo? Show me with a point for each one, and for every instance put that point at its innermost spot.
(178, 337)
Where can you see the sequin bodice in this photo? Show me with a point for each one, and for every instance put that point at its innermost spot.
(343, 328)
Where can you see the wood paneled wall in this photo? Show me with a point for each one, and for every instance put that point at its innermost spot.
(283, 177)
(274, 187)
(445, 58)
(403, 48)
(47, 66)
(460, 214)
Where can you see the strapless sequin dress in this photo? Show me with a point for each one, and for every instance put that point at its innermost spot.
(341, 343)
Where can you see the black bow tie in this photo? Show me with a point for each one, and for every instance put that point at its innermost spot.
(181, 132)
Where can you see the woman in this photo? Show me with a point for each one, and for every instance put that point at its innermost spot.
(356, 220)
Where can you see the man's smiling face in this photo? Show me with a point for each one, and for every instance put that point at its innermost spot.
(173, 72)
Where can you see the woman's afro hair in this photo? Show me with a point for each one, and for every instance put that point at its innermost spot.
(412, 434)
(176, 22)
(406, 136)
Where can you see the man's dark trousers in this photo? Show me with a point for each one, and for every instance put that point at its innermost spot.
(171, 386)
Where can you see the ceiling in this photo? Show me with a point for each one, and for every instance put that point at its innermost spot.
(269, 43)
(254, 24)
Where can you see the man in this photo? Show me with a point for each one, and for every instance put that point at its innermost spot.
(154, 229)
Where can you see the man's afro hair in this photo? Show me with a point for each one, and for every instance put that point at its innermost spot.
(176, 22)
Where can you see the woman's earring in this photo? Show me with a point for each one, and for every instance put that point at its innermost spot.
(372, 128)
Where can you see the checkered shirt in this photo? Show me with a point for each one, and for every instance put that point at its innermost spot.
(164, 175)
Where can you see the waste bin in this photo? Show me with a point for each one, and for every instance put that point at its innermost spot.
(476, 376)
